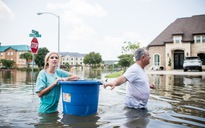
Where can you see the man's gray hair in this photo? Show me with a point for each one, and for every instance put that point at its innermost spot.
(139, 53)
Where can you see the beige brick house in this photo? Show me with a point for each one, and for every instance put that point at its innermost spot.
(182, 38)
(13, 52)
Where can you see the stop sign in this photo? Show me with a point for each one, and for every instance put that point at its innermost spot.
(34, 45)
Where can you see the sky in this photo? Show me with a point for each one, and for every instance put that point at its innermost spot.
(100, 26)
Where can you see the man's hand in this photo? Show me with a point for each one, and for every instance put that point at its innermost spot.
(111, 84)
(152, 86)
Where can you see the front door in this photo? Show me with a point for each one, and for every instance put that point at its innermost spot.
(178, 59)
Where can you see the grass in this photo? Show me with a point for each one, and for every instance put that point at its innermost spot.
(115, 74)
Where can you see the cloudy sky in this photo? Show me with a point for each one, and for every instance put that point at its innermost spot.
(99, 26)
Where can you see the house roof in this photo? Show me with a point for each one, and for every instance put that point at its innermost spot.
(15, 47)
(72, 54)
(187, 27)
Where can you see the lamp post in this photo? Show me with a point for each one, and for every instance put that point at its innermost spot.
(58, 16)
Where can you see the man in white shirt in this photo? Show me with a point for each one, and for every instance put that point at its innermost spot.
(138, 87)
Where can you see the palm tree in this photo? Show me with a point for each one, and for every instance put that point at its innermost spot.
(27, 56)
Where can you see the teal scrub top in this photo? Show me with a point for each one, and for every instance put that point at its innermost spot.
(49, 101)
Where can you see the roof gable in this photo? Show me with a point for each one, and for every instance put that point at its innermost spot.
(187, 27)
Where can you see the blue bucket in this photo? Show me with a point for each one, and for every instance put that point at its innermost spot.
(80, 97)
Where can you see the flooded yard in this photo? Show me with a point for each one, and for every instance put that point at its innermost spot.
(177, 102)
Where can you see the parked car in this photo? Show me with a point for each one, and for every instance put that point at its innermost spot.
(192, 63)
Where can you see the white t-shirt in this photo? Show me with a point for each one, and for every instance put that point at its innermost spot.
(137, 88)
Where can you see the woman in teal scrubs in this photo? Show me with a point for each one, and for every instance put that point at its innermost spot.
(47, 86)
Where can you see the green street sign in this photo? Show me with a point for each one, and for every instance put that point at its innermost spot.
(34, 35)
(34, 31)
(38, 35)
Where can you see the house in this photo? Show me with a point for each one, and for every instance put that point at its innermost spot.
(72, 58)
(13, 52)
(182, 38)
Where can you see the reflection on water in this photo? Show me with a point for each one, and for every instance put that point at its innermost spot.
(177, 102)
(80, 122)
(186, 95)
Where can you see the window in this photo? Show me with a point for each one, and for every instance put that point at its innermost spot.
(203, 39)
(198, 40)
(177, 39)
(156, 60)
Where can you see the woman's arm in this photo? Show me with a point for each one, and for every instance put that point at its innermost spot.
(71, 78)
(48, 89)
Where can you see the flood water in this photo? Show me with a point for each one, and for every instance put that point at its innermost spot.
(177, 102)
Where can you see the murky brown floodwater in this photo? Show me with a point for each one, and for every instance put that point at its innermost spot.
(177, 102)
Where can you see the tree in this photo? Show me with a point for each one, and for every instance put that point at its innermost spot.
(39, 57)
(129, 47)
(7, 63)
(92, 59)
(170, 62)
(125, 60)
(27, 56)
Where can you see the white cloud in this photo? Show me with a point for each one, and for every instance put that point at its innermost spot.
(75, 11)
(80, 32)
(6, 13)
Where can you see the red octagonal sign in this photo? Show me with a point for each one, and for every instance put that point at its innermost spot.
(34, 45)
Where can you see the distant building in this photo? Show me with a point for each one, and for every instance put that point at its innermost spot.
(110, 62)
(13, 52)
(72, 58)
(183, 38)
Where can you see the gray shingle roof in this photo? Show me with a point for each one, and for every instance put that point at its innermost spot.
(187, 27)
(72, 54)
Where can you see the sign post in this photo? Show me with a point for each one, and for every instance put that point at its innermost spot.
(34, 49)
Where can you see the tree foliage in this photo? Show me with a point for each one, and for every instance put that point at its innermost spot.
(126, 60)
(7, 63)
(130, 47)
(92, 59)
(27, 56)
(39, 57)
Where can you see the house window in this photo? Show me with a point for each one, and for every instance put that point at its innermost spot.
(177, 39)
(203, 39)
(198, 39)
(156, 60)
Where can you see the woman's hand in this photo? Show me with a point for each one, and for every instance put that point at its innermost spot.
(71, 78)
